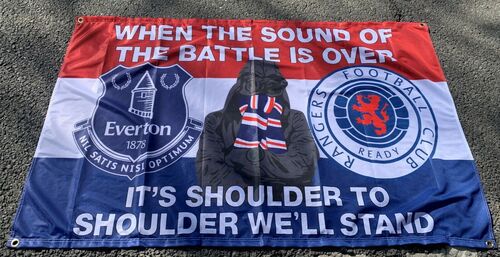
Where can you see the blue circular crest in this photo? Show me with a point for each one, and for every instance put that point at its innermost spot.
(372, 121)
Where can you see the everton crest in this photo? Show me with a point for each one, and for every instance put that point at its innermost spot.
(372, 121)
(140, 123)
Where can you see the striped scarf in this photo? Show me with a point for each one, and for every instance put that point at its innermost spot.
(261, 124)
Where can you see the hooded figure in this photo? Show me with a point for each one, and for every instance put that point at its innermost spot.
(222, 161)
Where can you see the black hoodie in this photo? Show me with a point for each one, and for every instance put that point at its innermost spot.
(219, 163)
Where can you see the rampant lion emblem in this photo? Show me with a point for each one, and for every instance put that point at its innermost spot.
(369, 115)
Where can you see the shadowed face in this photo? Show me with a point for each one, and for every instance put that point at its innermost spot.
(260, 77)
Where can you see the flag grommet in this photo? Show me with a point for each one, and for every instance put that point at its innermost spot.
(15, 242)
(490, 244)
(80, 20)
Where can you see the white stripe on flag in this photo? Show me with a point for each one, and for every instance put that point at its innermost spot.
(243, 108)
(238, 142)
(263, 144)
(73, 100)
(269, 105)
(254, 102)
(273, 143)
(253, 119)
(273, 123)
(278, 107)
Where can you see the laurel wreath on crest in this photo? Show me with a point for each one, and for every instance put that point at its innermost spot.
(129, 80)
(163, 84)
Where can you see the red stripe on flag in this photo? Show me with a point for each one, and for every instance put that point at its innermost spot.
(245, 143)
(243, 109)
(263, 144)
(276, 143)
(261, 122)
(253, 101)
(94, 48)
(276, 123)
(269, 105)
(278, 107)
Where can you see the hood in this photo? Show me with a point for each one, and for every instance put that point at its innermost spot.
(258, 77)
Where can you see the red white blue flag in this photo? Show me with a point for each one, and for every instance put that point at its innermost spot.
(177, 132)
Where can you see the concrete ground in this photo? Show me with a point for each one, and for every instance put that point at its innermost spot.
(34, 34)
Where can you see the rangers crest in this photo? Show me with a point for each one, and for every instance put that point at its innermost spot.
(372, 121)
(138, 124)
